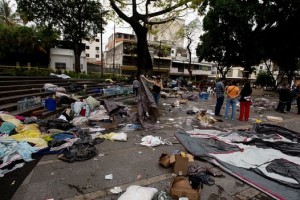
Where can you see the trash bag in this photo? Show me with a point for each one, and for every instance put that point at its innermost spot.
(59, 124)
(79, 151)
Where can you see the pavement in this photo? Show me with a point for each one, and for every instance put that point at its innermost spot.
(133, 164)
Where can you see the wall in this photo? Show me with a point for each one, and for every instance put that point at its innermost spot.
(66, 58)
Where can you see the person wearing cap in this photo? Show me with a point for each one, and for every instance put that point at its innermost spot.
(157, 86)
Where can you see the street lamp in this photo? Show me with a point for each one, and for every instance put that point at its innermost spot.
(101, 42)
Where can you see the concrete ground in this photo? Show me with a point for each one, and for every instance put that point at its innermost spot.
(133, 164)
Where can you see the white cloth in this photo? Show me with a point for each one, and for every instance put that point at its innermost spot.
(135, 192)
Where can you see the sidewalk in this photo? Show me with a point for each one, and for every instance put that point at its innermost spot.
(133, 164)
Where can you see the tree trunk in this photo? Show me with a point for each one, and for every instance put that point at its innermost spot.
(77, 52)
(144, 62)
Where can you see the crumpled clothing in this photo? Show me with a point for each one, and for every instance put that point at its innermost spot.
(195, 169)
(7, 127)
(30, 133)
(5, 171)
(8, 147)
(10, 118)
(98, 114)
(79, 151)
(77, 121)
(115, 136)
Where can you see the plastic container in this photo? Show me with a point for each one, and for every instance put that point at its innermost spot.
(50, 104)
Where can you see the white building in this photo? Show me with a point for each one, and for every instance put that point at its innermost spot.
(92, 50)
(64, 59)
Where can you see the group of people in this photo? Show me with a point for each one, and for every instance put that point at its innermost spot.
(233, 95)
(286, 96)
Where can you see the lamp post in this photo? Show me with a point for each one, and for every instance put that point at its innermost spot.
(101, 42)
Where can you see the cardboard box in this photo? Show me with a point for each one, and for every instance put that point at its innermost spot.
(180, 164)
(180, 187)
(164, 160)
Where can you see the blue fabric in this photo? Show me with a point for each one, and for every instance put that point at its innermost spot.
(156, 97)
(62, 136)
(7, 127)
(230, 103)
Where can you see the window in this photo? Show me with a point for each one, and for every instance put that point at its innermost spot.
(97, 55)
(97, 40)
(87, 47)
(261, 67)
(59, 65)
(97, 48)
(87, 55)
(172, 52)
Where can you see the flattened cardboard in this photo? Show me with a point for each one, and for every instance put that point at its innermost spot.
(181, 165)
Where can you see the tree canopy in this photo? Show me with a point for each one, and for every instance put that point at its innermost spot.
(75, 19)
(244, 33)
(26, 44)
(229, 35)
(7, 15)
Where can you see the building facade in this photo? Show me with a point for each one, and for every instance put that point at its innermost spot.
(64, 60)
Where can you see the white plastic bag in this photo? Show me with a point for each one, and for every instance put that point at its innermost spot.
(151, 141)
(135, 192)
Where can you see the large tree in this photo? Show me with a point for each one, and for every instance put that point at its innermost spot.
(7, 15)
(22, 44)
(190, 32)
(229, 38)
(277, 20)
(143, 14)
(76, 19)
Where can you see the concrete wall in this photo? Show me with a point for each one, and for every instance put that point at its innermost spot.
(65, 59)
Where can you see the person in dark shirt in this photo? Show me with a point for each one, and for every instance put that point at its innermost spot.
(157, 86)
(245, 102)
(298, 98)
(284, 97)
(219, 96)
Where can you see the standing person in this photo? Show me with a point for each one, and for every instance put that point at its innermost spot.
(245, 102)
(135, 85)
(232, 92)
(220, 96)
(284, 97)
(157, 86)
(298, 99)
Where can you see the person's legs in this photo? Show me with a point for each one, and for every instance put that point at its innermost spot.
(282, 106)
(298, 104)
(242, 111)
(135, 91)
(233, 107)
(288, 106)
(227, 107)
(219, 104)
(156, 97)
(247, 110)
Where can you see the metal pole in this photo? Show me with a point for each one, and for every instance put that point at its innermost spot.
(159, 57)
(101, 43)
(114, 50)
